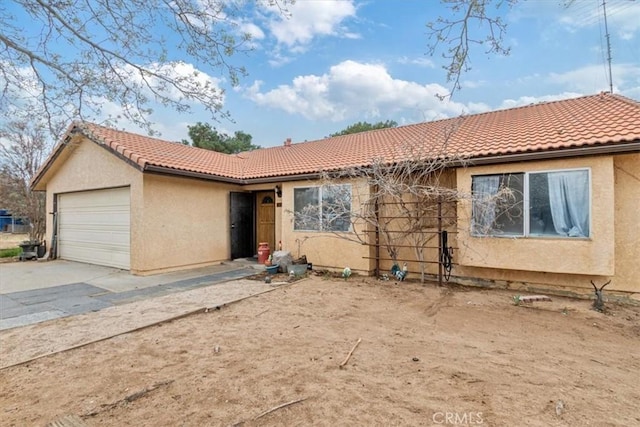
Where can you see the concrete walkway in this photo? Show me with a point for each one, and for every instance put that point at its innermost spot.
(32, 292)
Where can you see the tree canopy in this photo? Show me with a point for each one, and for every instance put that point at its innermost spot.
(365, 126)
(203, 135)
(78, 59)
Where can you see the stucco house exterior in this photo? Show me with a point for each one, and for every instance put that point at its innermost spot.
(148, 205)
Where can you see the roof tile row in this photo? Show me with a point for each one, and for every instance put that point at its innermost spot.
(579, 122)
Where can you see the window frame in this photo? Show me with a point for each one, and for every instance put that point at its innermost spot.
(321, 225)
(526, 205)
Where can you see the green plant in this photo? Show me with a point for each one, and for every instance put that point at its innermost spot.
(516, 300)
(9, 253)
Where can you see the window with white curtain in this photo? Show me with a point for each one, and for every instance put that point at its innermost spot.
(325, 208)
(551, 203)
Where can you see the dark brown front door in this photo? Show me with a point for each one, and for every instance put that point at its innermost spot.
(265, 200)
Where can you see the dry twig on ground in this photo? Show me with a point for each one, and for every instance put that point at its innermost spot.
(346, 360)
(275, 408)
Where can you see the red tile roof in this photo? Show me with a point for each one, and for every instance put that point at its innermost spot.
(588, 121)
(146, 151)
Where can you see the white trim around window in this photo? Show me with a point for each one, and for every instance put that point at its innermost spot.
(322, 208)
(553, 203)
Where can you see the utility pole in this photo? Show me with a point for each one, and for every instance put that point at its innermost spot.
(606, 30)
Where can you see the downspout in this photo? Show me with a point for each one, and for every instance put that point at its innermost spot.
(53, 250)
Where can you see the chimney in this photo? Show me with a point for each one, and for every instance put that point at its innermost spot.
(287, 142)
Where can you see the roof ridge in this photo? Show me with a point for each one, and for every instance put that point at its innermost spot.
(625, 99)
(562, 124)
(137, 135)
(459, 116)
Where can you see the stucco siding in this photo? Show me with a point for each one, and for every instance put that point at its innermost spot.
(627, 222)
(90, 167)
(325, 250)
(185, 223)
(611, 252)
(593, 255)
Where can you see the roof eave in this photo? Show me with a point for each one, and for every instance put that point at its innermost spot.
(66, 139)
(620, 148)
(162, 170)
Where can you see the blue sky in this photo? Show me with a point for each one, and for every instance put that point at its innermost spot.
(332, 63)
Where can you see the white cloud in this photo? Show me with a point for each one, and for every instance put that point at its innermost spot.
(252, 29)
(309, 19)
(353, 90)
(187, 78)
(528, 100)
(623, 18)
(472, 84)
(594, 78)
(420, 62)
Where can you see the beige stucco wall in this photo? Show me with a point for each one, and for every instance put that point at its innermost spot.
(567, 264)
(86, 166)
(176, 223)
(324, 250)
(627, 222)
(179, 223)
(185, 224)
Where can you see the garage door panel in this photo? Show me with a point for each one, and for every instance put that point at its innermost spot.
(97, 221)
(94, 227)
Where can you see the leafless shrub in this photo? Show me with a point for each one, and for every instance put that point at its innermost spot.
(404, 199)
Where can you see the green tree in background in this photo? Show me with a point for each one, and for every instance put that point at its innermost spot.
(203, 135)
(365, 126)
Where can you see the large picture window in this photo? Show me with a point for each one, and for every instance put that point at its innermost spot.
(554, 203)
(325, 208)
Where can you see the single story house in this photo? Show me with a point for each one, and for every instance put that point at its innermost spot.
(149, 206)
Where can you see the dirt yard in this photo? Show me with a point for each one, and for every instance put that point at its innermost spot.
(428, 356)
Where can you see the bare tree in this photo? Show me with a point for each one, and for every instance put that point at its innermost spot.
(400, 203)
(399, 199)
(75, 57)
(24, 145)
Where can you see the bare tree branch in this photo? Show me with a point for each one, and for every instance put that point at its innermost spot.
(397, 198)
(472, 22)
(84, 58)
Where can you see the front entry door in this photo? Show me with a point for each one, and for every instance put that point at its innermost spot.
(242, 237)
(266, 218)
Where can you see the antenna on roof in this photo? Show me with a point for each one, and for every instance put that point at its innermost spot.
(607, 35)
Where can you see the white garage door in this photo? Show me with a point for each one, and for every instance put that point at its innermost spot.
(94, 227)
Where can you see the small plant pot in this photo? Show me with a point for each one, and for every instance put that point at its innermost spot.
(272, 269)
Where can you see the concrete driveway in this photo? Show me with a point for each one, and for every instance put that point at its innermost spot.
(32, 292)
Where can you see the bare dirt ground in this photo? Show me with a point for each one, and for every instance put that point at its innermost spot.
(428, 356)
(8, 240)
